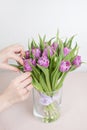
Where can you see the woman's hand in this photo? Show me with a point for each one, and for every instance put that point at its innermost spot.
(18, 90)
(15, 52)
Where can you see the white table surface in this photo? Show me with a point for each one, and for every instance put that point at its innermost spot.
(73, 111)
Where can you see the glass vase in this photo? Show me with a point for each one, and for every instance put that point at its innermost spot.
(47, 106)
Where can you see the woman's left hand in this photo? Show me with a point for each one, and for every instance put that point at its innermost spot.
(15, 52)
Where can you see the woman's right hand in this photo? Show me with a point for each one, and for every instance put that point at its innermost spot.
(18, 90)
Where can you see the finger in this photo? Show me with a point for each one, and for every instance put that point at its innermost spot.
(25, 96)
(22, 52)
(9, 67)
(22, 77)
(17, 58)
(29, 87)
(26, 82)
(19, 49)
(23, 91)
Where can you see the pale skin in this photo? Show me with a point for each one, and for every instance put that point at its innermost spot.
(19, 88)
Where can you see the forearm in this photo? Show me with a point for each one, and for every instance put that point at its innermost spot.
(4, 103)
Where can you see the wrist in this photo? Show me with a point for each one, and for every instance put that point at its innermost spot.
(4, 102)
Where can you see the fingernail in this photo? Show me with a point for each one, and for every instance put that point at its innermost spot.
(28, 73)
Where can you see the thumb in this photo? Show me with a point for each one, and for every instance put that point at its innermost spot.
(9, 67)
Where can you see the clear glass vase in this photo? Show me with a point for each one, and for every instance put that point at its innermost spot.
(47, 107)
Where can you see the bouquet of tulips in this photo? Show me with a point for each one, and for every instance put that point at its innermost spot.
(49, 62)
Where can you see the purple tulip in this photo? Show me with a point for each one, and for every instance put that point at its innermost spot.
(65, 66)
(66, 51)
(36, 52)
(27, 66)
(77, 61)
(45, 52)
(54, 46)
(43, 61)
(34, 62)
(27, 54)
